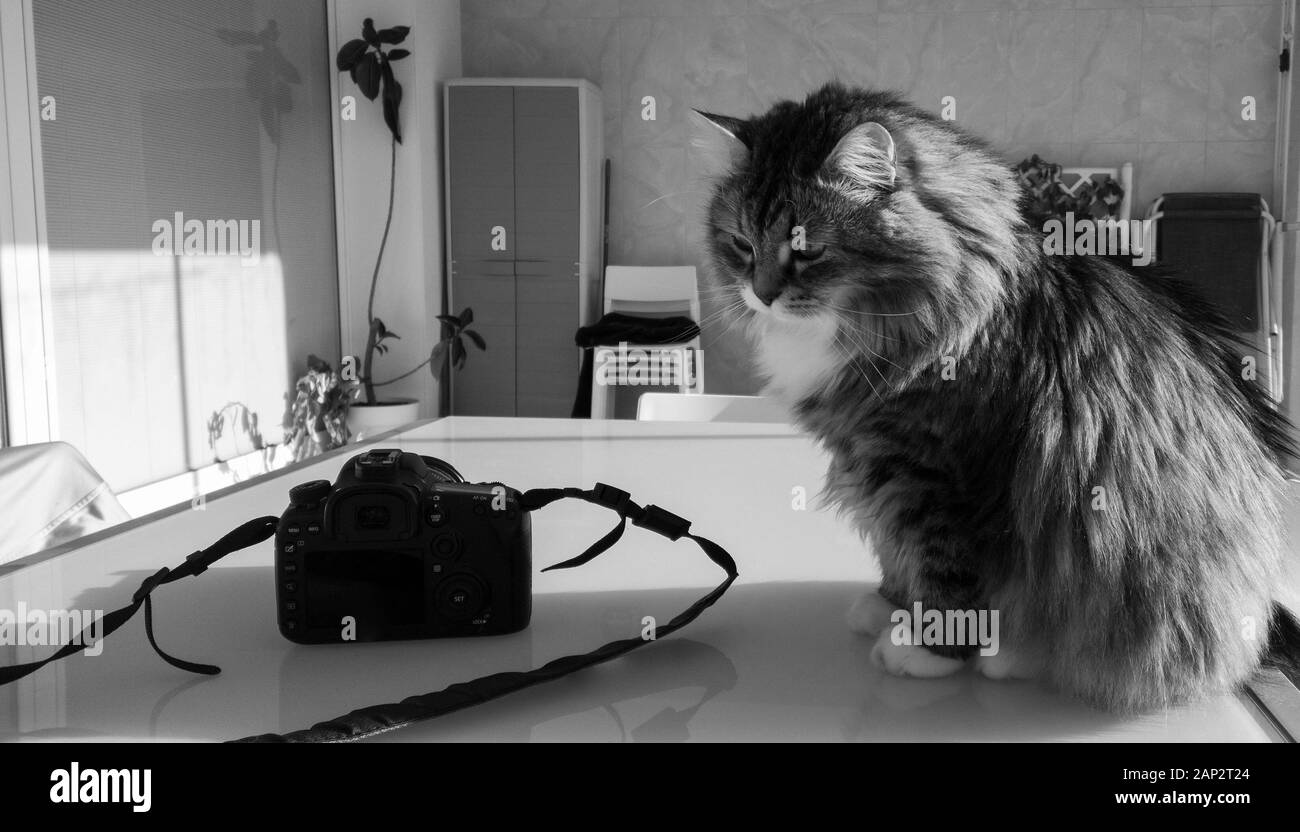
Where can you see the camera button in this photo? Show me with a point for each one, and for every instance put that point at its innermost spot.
(290, 586)
(291, 625)
(293, 530)
(289, 568)
(291, 606)
(446, 546)
(313, 528)
(287, 548)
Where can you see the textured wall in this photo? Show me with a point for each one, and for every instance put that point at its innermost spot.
(1080, 81)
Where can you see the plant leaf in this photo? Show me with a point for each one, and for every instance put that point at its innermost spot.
(476, 338)
(458, 353)
(397, 54)
(350, 53)
(437, 357)
(382, 331)
(368, 74)
(396, 34)
(466, 317)
(368, 32)
(391, 118)
(392, 102)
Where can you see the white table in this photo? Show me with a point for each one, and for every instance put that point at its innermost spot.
(773, 660)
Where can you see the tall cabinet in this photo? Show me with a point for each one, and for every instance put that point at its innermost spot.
(524, 203)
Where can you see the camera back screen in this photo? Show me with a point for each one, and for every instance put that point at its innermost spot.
(381, 591)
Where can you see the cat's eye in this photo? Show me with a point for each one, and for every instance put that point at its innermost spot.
(742, 245)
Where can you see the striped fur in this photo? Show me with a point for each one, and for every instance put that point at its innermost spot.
(1065, 375)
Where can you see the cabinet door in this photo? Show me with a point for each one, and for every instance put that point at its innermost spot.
(481, 172)
(546, 173)
(486, 384)
(547, 213)
(546, 358)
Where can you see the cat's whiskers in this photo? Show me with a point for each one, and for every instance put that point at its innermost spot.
(737, 319)
(873, 333)
(848, 354)
(670, 196)
(861, 342)
(872, 314)
(859, 347)
(721, 312)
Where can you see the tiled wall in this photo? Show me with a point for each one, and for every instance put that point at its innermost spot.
(1158, 83)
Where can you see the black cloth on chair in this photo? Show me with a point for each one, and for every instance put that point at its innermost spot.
(616, 328)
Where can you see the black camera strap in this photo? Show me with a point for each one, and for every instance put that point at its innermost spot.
(378, 719)
(248, 534)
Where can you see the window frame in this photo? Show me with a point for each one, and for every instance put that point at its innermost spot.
(26, 330)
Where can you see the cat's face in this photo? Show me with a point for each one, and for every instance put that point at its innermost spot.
(798, 239)
(853, 212)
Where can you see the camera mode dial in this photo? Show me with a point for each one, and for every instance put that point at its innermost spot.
(309, 494)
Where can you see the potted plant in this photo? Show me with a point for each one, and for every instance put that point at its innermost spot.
(317, 414)
(369, 61)
(1048, 196)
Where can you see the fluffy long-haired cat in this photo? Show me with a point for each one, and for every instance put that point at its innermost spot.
(1067, 440)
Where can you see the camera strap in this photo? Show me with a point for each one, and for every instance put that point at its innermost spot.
(248, 534)
(378, 719)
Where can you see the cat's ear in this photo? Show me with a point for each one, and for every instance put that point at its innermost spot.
(717, 141)
(866, 157)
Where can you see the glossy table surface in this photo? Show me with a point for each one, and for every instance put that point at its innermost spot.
(772, 661)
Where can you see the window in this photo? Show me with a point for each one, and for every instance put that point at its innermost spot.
(189, 257)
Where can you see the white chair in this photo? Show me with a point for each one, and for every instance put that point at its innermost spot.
(652, 292)
(677, 407)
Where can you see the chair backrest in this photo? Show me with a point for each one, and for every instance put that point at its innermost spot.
(1122, 174)
(690, 407)
(653, 291)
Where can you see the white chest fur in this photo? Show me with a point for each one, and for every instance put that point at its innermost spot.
(796, 357)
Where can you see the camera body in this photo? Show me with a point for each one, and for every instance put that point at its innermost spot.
(400, 547)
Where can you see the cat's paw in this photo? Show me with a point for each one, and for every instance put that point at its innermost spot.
(911, 660)
(1010, 663)
(869, 614)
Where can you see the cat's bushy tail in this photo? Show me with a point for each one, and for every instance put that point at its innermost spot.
(1284, 642)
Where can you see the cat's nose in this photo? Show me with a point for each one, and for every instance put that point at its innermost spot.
(767, 288)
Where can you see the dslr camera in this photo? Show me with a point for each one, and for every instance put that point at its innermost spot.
(401, 547)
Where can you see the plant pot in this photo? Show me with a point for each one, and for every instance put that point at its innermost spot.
(369, 420)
